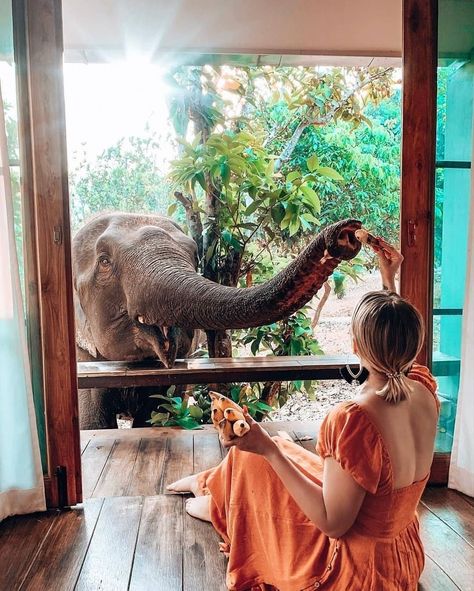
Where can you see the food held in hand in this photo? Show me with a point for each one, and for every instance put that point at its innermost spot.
(366, 237)
(227, 416)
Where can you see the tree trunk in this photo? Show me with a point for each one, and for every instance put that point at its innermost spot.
(219, 343)
(193, 220)
(270, 393)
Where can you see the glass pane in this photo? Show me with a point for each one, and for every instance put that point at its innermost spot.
(452, 202)
(8, 86)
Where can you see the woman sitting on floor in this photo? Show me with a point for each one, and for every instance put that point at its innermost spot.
(344, 519)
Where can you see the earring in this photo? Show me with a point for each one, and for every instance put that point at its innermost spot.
(355, 379)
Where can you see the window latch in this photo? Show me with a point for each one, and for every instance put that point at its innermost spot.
(57, 235)
(412, 232)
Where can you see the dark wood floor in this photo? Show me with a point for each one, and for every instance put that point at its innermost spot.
(128, 534)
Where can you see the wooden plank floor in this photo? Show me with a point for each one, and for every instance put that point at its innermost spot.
(129, 534)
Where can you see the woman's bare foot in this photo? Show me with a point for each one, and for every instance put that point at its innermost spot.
(199, 507)
(185, 485)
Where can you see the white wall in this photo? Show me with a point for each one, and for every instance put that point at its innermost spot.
(102, 30)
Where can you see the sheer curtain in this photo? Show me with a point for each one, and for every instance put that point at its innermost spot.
(461, 472)
(21, 479)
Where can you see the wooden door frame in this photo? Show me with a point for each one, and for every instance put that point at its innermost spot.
(38, 54)
(420, 57)
(420, 61)
(38, 49)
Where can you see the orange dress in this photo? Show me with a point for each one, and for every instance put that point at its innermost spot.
(272, 545)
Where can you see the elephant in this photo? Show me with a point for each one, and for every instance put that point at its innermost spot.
(138, 295)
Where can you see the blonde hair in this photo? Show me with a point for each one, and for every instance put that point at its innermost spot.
(388, 332)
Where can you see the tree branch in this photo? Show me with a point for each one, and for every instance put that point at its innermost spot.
(320, 306)
(308, 120)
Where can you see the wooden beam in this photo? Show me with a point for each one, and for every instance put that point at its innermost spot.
(420, 43)
(40, 59)
(113, 374)
(123, 374)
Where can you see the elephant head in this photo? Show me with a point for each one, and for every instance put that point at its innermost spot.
(138, 294)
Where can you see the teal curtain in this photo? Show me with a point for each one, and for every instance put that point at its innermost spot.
(21, 481)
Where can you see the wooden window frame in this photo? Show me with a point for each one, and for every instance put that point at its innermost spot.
(38, 47)
(420, 57)
(420, 61)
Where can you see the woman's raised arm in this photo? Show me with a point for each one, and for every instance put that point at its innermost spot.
(390, 261)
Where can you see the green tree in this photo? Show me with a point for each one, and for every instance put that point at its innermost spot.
(125, 177)
(238, 179)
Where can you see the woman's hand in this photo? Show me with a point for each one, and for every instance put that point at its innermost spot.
(390, 261)
(256, 441)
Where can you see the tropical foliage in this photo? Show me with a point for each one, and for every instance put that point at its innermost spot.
(264, 156)
(125, 177)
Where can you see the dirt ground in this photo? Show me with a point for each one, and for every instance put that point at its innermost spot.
(332, 331)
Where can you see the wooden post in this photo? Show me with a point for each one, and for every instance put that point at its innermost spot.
(39, 54)
(420, 54)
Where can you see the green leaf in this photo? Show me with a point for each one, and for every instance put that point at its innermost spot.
(231, 240)
(199, 176)
(295, 347)
(295, 174)
(160, 396)
(270, 168)
(195, 412)
(286, 221)
(278, 213)
(159, 417)
(309, 217)
(197, 140)
(188, 423)
(366, 120)
(172, 208)
(252, 207)
(255, 345)
(295, 225)
(330, 173)
(262, 406)
(312, 163)
(210, 251)
(311, 197)
(225, 174)
(170, 408)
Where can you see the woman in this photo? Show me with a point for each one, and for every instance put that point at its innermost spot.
(345, 518)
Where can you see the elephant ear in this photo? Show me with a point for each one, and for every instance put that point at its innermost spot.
(84, 338)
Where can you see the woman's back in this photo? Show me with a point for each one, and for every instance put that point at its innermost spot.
(407, 429)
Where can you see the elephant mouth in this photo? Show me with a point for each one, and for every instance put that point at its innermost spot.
(162, 339)
(344, 244)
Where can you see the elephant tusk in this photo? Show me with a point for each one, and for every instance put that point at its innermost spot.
(141, 320)
(165, 331)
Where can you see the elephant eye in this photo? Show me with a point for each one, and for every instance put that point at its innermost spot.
(104, 261)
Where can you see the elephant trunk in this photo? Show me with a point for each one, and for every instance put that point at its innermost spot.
(189, 300)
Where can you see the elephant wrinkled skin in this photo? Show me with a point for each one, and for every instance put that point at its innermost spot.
(137, 295)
